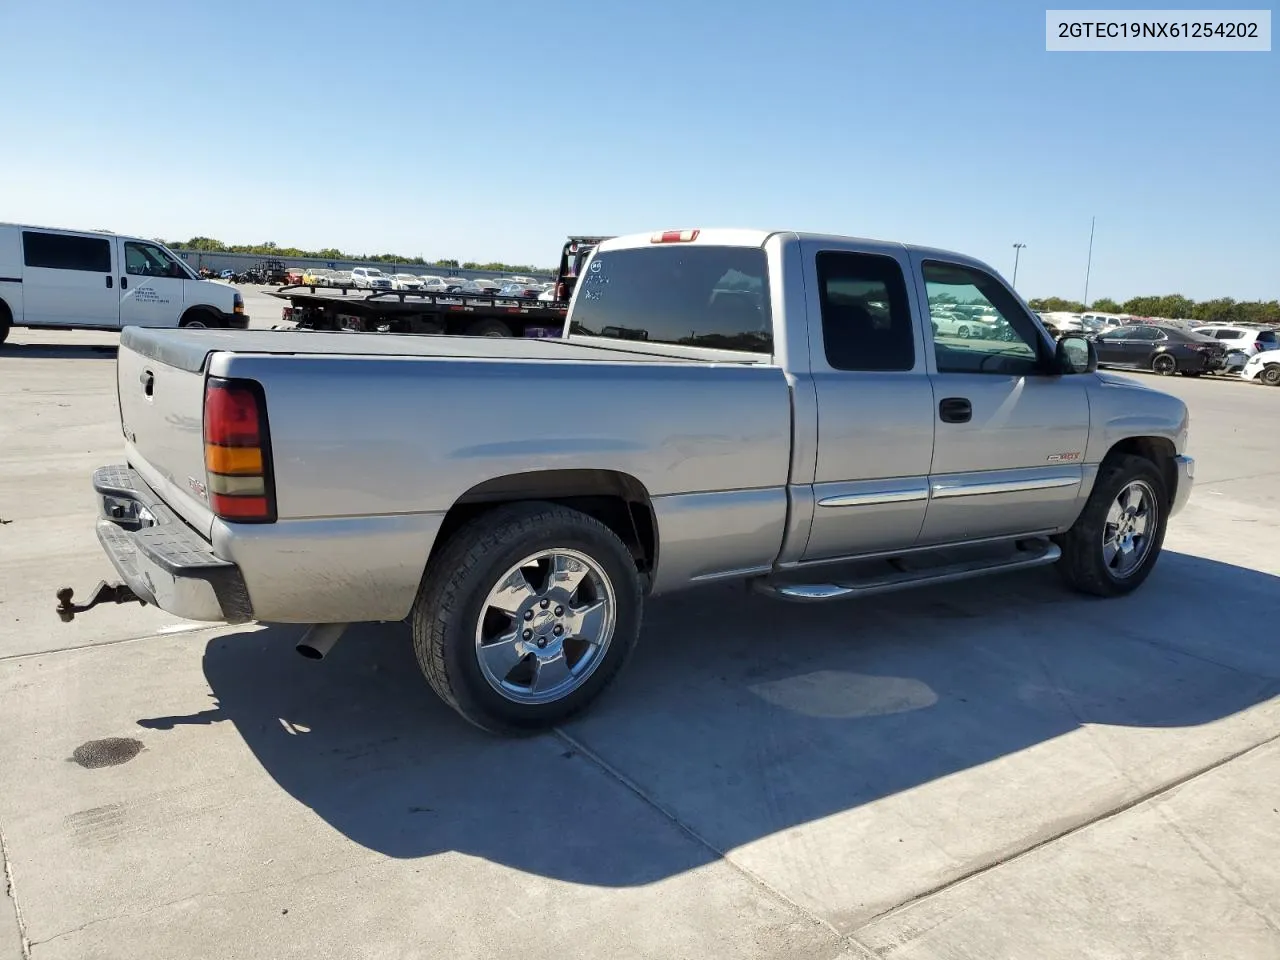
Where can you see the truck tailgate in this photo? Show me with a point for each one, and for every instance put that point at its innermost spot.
(161, 414)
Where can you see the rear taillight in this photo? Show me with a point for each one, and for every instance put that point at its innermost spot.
(1259, 346)
(237, 451)
(560, 291)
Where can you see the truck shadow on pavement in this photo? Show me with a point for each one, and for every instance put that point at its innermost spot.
(742, 717)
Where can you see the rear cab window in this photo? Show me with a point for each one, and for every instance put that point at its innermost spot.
(696, 296)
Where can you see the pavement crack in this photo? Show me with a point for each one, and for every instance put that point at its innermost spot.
(1206, 854)
(848, 940)
(107, 643)
(12, 891)
(1102, 817)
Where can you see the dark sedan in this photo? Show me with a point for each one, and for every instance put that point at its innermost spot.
(1160, 349)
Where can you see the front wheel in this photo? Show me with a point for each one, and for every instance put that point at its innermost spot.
(1270, 374)
(526, 616)
(1117, 538)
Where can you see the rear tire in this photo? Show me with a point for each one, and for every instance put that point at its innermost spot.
(1164, 364)
(488, 661)
(1094, 555)
(488, 328)
(1270, 374)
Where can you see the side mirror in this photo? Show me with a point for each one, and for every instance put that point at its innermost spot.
(1075, 355)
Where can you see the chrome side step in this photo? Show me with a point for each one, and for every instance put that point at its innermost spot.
(1027, 554)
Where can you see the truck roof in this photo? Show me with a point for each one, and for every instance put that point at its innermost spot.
(735, 237)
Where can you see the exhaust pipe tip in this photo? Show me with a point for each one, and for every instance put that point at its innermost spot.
(319, 640)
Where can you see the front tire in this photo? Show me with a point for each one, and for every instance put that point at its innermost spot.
(1270, 374)
(1116, 540)
(526, 615)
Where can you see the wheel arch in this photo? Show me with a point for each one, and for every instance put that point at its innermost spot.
(1159, 450)
(616, 499)
(211, 314)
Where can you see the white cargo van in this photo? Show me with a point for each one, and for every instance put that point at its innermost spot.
(76, 280)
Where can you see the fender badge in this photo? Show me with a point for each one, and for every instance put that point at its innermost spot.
(1063, 457)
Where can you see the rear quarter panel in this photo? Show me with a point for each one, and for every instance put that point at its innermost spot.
(392, 443)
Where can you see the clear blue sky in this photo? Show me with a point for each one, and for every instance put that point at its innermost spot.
(507, 125)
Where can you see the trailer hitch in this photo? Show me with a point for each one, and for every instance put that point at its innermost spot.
(103, 593)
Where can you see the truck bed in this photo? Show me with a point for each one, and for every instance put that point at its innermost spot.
(374, 437)
(188, 349)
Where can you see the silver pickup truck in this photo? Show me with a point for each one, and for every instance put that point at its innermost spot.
(772, 407)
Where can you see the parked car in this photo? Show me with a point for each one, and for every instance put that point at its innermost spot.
(77, 280)
(1160, 349)
(522, 554)
(1263, 367)
(963, 325)
(434, 284)
(1241, 342)
(370, 278)
(315, 277)
(520, 289)
(405, 281)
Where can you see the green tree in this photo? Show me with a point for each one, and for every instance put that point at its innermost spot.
(1221, 310)
(1055, 305)
(1106, 305)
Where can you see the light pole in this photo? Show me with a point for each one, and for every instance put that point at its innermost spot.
(1089, 263)
(1017, 250)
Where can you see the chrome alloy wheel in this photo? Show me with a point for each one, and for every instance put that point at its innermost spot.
(545, 626)
(1130, 526)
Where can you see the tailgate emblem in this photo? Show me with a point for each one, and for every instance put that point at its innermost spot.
(198, 488)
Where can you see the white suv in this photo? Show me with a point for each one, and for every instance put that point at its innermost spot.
(370, 278)
(1241, 342)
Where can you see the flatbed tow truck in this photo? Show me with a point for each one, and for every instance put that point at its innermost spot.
(427, 312)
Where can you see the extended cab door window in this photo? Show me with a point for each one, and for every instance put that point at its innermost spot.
(866, 318)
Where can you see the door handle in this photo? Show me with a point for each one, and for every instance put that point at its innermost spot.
(124, 283)
(955, 410)
(108, 281)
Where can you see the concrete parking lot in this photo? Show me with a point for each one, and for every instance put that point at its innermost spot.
(987, 770)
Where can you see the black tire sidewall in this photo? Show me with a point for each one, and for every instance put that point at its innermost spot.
(1272, 370)
(477, 700)
(1086, 536)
